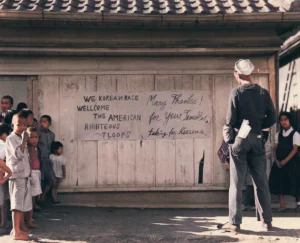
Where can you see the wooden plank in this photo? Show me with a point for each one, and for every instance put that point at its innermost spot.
(145, 162)
(165, 149)
(164, 82)
(165, 163)
(70, 86)
(184, 147)
(126, 163)
(87, 164)
(107, 163)
(223, 86)
(185, 162)
(107, 150)
(145, 149)
(262, 80)
(121, 65)
(203, 82)
(87, 150)
(183, 82)
(49, 101)
(204, 147)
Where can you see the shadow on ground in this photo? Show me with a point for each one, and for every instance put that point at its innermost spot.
(97, 225)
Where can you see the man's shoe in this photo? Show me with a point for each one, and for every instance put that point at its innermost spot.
(229, 228)
(267, 227)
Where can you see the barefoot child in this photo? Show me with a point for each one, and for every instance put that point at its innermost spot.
(4, 194)
(285, 172)
(59, 167)
(19, 183)
(35, 165)
(46, 138)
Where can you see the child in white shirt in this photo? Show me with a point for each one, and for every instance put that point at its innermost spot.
(59, 167)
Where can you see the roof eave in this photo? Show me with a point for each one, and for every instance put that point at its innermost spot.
(279, 17)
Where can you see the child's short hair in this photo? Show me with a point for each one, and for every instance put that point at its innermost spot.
(49, 119)
(4, 128)
(29, 112)
(21, 106)
(8, 97)
(55, 146)
(32, 129)
(23, 113)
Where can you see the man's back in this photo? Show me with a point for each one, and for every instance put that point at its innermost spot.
(253, 103)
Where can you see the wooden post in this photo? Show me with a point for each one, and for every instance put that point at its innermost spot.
(32, 94)
(274, 87)
(273, 79)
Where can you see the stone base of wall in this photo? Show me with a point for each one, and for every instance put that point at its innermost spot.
(193, 199)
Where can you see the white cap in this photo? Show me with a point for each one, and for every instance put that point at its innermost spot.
(244, 67)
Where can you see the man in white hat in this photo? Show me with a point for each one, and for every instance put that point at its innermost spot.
(250, 110)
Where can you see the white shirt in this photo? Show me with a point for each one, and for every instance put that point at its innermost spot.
(58, 162)
(16, 160)
(296, 138)
(2, 150)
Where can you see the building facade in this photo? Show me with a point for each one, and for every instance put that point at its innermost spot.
(57, 53)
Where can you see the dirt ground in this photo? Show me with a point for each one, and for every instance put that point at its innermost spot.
(62, 224)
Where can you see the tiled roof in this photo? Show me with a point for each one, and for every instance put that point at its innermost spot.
(145, 6)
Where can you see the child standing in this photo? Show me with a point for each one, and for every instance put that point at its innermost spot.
(36, 189)
(19, 183)
(286, 169)
(59, 167)
(46, 138)
(4, 194)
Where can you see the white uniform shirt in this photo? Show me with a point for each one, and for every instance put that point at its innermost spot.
(2, 150)
(58, 162)
(296, 138)
(16, 160)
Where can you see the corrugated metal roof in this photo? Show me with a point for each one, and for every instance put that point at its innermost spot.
(146, 6)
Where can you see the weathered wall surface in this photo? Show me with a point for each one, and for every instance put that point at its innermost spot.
(161, 164)
(290, 73)
(289, 90)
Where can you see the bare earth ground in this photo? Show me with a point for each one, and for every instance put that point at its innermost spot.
(80, 224)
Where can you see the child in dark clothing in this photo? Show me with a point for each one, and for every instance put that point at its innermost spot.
(285, 173)
(46, 138)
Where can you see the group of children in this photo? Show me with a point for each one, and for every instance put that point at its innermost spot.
(30, 159)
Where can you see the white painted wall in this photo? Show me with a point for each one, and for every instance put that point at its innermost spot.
(16, 88)
(294, 98)
(128, 164)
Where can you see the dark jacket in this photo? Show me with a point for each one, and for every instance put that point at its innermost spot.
(250, 102)
(46, 138)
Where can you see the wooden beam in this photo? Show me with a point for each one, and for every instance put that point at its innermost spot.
(146, 188)
(48, 51)
(273, 79)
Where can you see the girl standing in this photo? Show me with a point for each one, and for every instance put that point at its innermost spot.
(59, 167)
(284, 177)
